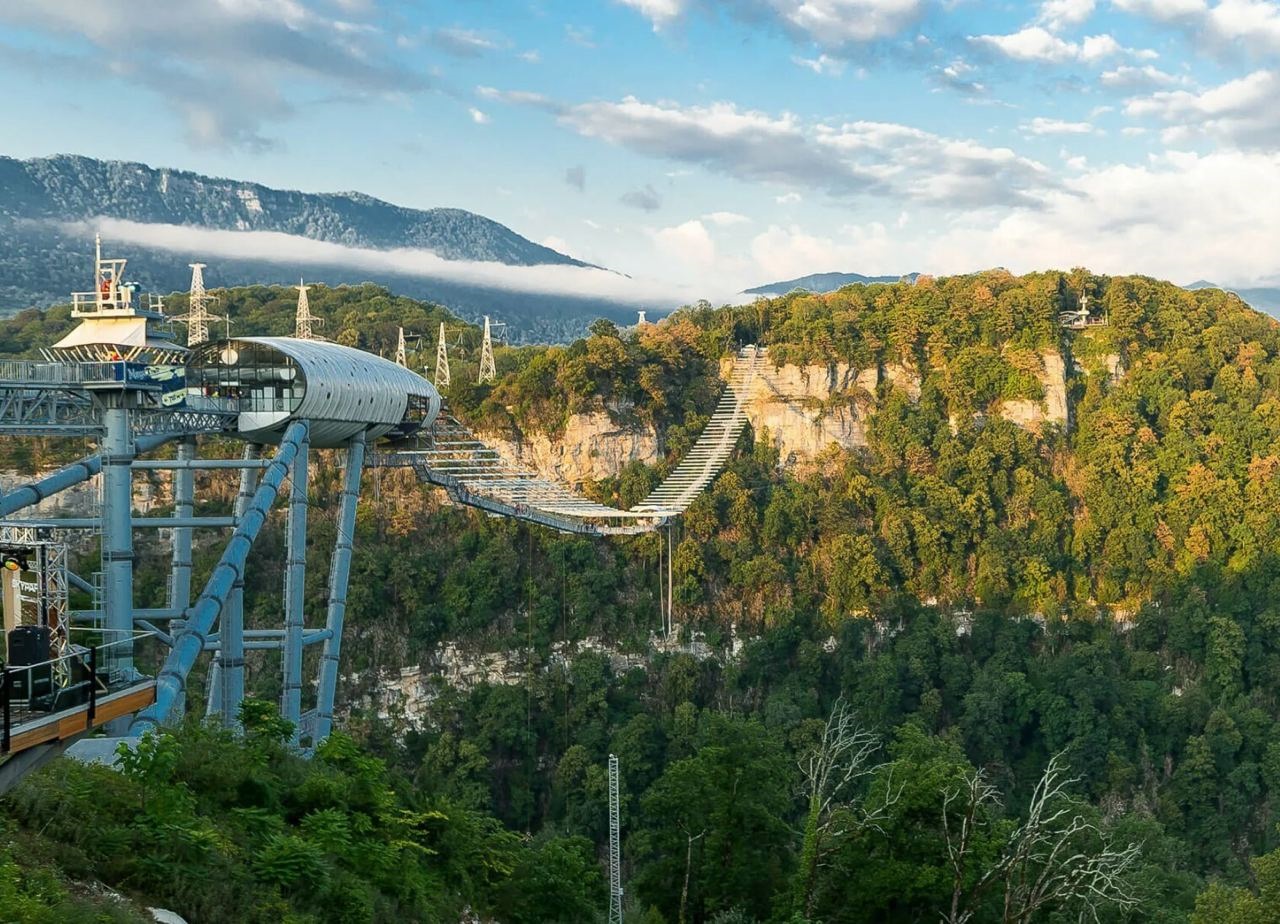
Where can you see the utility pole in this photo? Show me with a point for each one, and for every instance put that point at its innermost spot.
(615, 847)
(442, 361)
(487, 371)
(304, 318)
(198, 316)
(401, 359)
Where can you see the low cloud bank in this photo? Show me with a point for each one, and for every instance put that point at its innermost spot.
(302, 252)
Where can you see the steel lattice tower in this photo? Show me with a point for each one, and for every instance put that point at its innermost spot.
(304, 318)
(487, 371)
(615, 847)
(442, 361)
(198, 316)
(401, 357)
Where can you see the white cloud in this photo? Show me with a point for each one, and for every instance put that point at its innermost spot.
(1129, 78)
(1254, 24)
(227, 69)
(478, 117)
(1044, 126)
(1222, 209)
(790, 198)
(1059, 14)
(462, 43)
(823, 64)
(533, 56)
(1240, 112)
(958, 75)
(1037, 44)
(856, 158)
(726, 219)
(303, 252)
(785, 252)
(659, 12)
(558, 244)
(830, 24)
(689, 243)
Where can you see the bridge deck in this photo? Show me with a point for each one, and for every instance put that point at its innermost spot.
(477, 475)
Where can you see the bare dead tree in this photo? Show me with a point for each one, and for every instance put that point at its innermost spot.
(1056, 857)
(829, 770)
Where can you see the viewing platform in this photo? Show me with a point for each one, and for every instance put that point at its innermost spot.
(52, 702)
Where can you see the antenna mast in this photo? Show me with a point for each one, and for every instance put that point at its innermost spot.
(401, 358)
(302, 325)
(198, 316)
(615, 847)
(442, 361)
(487, 371)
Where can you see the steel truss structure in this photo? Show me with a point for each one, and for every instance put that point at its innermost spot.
(124, 408)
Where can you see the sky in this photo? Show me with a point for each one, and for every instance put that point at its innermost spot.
(704, 146)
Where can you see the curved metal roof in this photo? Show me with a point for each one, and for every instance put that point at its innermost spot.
(345, 390)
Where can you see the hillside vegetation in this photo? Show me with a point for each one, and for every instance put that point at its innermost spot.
(995, 641)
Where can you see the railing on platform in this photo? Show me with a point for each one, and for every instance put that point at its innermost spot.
(37, 373)
(96, 664)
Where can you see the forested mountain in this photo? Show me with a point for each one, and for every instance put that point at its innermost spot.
(969, 671)
(41, 262)
(1264, 298)
(822, 283)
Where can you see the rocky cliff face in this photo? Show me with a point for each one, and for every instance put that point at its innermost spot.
(803, 410)
(1052, 409)
(593, 446)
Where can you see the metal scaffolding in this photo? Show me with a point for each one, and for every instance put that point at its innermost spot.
(615, 846)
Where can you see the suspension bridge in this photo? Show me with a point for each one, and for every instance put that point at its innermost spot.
(121, 379)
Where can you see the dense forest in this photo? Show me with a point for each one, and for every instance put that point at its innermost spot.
(972, 672)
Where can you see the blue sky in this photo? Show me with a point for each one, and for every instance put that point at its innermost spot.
(708, 145)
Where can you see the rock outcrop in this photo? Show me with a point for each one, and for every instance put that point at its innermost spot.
(1032, 414)
(592, 446)
(805, 409)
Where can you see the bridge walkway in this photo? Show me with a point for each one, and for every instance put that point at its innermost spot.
(475, 474)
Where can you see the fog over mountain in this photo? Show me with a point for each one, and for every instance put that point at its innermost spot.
(163, 219)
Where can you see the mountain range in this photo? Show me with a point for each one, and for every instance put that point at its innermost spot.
(42, 259)
(821, 283)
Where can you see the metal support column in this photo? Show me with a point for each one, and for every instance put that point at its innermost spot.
(230, 661)
(339, 573)
(117, 539)
(184, 495)
(295, 592)
(202, 614)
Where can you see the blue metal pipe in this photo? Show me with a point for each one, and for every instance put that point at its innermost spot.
(295, 586)
(73, 474)
(229, 673)
(339, 573)
(200, 617)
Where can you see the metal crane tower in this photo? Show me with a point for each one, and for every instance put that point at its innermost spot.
(442, 361)
(198, 316)
(304, 318)
(615, 847)
(487, 371)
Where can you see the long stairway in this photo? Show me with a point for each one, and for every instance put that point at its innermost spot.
(476, 474)
(716, 442)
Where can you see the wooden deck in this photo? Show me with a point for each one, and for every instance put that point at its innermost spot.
(68, 723)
